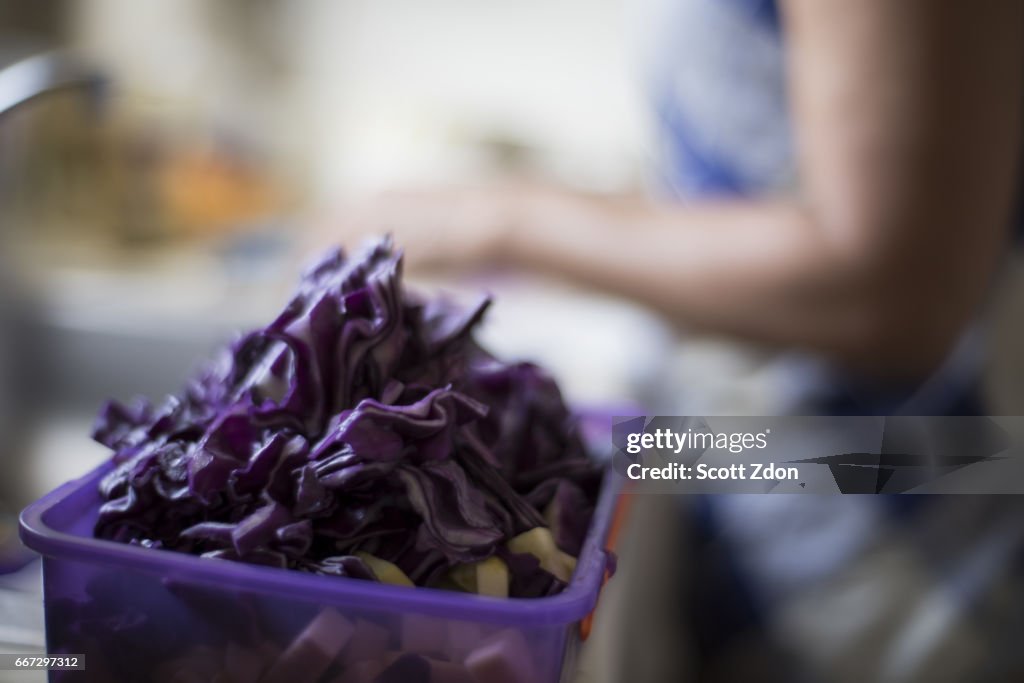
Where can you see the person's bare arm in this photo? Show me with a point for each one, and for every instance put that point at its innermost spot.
(906, 115)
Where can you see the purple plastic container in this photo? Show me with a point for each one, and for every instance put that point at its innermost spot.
(139, 614)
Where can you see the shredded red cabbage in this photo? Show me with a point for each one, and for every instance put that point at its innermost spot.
(362, 420)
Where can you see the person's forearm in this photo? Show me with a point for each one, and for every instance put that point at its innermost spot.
(762, 270)
(907, 159)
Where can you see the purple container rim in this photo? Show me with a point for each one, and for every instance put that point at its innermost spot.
(572, 604)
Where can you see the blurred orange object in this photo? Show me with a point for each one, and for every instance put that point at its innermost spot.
(621, 514)
(205, 191)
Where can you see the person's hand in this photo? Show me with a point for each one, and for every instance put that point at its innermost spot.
(455, 227)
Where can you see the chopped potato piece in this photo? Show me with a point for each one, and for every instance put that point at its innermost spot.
(541, 544)
(385, 571)
(487, 577)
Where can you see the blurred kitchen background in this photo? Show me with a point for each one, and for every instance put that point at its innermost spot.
(161, 196)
